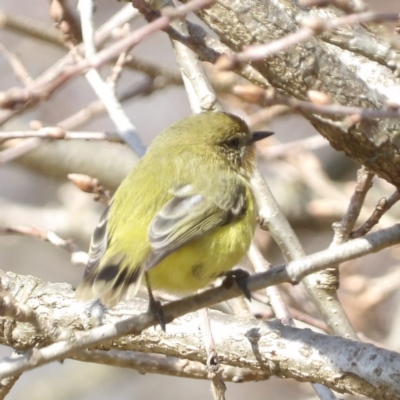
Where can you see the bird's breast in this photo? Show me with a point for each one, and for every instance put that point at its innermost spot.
(198, 263)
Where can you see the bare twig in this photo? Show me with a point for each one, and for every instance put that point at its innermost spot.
(278, 305)
(312, 27)
(308, 319)
(153, 70)
(126, 14)
(213, 366)
(91, 185)
(201, 98)
(6, 384)
(273, 219)
(280, 308)
(16, 64)
(30, 28)
(327, 281)
(382, 207)
(265, 115)
(296, 314)
(65, 23)
(18, 150)
(207, 47)
(117, 69)
(126, 129)
(13, 98)
(97, 107)
(199, 90)
(343, 229)
(270, 97)
(78, 256)
(56, 133)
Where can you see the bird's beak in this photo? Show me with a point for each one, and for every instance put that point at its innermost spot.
(260, 135)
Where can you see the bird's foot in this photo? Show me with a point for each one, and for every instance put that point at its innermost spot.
(156, 309)
(155, 306)
(240, 277)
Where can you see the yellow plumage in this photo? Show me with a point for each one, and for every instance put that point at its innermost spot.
(185, 213)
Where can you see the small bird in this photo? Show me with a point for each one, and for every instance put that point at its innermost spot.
(183, 216)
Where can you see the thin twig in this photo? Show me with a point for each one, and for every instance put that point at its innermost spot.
(91, 185)
(273, 219)
(78, 256)
(381, 208)
(280, 308)
(201, 97)
(56, 133)
(16, 64)
(30, 27)
(19, 150)
(154, 70)
(97, 107)
(218, 386)
(63, 21)
(125, 128)
(343, 229)
(79, 118)
(378, 289)
(271, 97)
(126, 14)
(207, 47)
(265, 115)
(7, 384)
(311, 27)
(278, 305)
(118, 67)
(296, 314)
(327, 282)
(16, 97)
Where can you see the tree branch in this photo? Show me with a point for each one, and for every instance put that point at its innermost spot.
(342, 364)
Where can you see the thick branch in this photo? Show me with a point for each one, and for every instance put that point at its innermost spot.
(342, 364)
(348, 76)
(293, 272)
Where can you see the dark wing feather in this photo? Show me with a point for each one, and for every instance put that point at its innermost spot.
(188, 216)
(110, 280)
(98, 244)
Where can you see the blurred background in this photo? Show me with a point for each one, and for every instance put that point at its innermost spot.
(313, 185)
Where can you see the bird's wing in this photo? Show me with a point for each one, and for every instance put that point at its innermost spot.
(188, 216)
(98, 244)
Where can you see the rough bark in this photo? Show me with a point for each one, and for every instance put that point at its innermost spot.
(344, 365)
(352, 65)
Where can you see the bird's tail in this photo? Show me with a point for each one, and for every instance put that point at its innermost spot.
(111, 283)
(110, 279)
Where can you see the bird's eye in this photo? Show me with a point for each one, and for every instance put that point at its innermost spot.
(234, 143)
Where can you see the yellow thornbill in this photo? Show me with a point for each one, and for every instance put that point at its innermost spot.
(183, 216)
